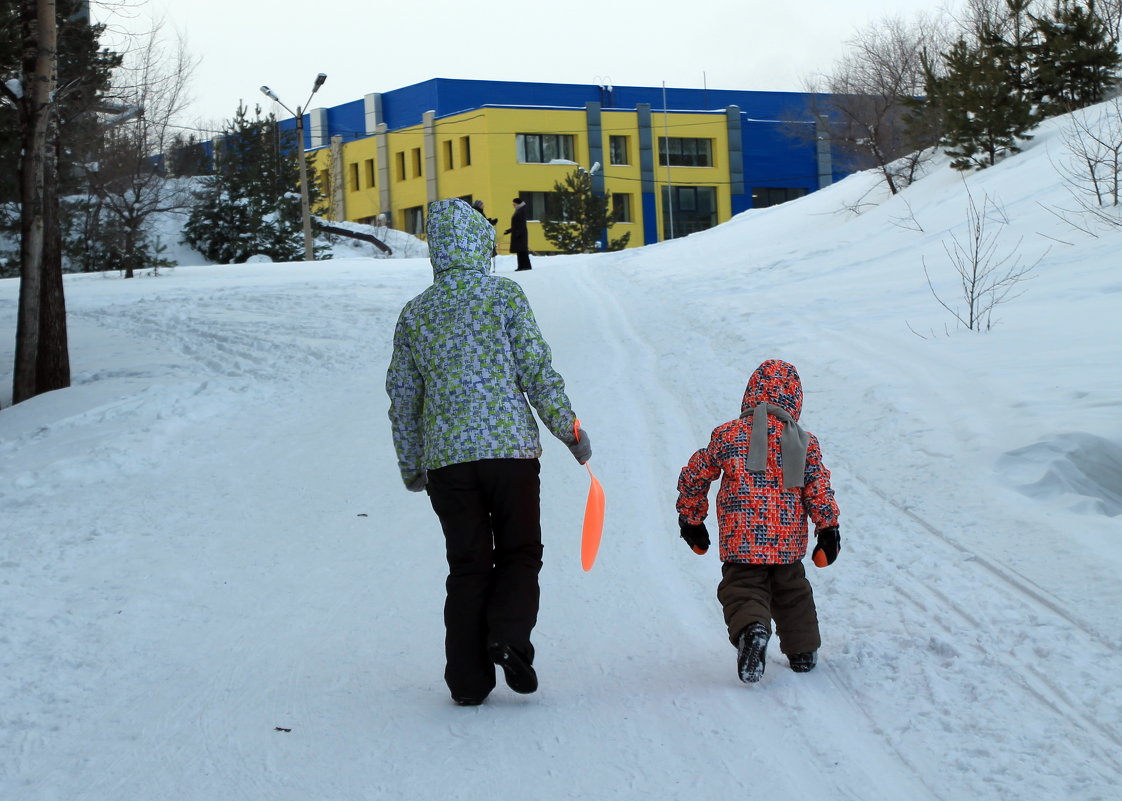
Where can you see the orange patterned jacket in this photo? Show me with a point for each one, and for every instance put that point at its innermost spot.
(760, 521)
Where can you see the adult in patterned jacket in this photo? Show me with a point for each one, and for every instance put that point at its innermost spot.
(467, 356)
(772, 479)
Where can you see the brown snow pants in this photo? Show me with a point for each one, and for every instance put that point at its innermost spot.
(762, 593)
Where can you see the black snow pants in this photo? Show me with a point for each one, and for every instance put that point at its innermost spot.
(490, 513)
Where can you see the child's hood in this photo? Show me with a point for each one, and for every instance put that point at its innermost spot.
(775, 382)
(458, 237)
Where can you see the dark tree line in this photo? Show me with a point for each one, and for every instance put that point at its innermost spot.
(52, 77)
(250, 205)
(905, 88)
(1013, 69)
(98, 159)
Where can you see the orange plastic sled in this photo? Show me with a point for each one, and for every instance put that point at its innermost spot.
(593, 515)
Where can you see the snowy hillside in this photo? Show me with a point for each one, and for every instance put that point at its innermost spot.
(213, 586)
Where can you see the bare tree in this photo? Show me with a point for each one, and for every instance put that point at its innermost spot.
(1091, 167)
(1005, 18)
(128, 181)
(867, 95)
(33, 96)
(988, 278)
(1110, 12)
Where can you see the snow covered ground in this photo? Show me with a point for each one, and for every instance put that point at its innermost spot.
(213, 586)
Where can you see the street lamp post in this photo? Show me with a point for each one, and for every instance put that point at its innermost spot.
(305, 202)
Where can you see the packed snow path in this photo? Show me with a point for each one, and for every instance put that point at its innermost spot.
(214, 585)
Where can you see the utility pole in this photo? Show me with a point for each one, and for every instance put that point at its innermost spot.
(305, 202)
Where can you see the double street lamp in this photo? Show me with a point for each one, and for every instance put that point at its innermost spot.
(305, 202)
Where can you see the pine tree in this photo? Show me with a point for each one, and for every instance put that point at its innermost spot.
(1020, 39)
(84, 77)
(981, 117)
(583, 217)
(187, 157)
(1075, 62)
(251, 204)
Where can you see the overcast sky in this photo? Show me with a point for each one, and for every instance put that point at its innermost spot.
(379, 45)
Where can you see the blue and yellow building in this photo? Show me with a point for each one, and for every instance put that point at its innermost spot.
(674, 160)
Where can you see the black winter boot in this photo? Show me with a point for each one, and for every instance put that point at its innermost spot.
(751, 653)
(520, 674)
(803, 663)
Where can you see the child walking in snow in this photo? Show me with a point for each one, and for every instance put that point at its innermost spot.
(772, 479)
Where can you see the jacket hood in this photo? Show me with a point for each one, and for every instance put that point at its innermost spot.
(775, 382)
(459, 238)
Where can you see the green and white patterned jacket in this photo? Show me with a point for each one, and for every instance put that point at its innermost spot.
(467, 354)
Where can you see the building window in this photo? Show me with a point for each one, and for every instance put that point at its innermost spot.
(448, 155)
(621, 208)
(416, 162)
(369, 173)
(764, 196)
(619, 149)
(544, 148)
(465, 151)
(399, 157)
(685, 152)
(414, 217)
(353, 169)
(694, 209)
(542, 205)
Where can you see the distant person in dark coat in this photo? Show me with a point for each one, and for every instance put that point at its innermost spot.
(478, 206)
(519, 238)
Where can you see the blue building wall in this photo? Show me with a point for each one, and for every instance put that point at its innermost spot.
(402, 108)
(771, 156)
(347, 120)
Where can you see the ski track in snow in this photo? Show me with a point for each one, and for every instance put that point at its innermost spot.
(649, 387)
(1016, 652)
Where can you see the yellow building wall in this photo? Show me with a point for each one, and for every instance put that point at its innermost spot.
(692, 126)
(624, 179)
(467, 174)
(495, 175)
(407, 178)
(510, 178)
(361, 157)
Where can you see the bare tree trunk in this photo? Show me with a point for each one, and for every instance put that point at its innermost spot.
(40, 35)
(52, 368)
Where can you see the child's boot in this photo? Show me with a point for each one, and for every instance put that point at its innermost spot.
(751, 652)
(803, 663)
